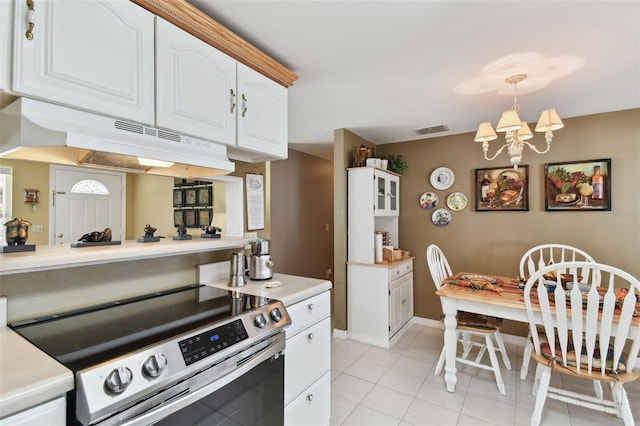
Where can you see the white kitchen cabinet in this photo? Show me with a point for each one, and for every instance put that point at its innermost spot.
(93, 55)
(6, 37)
(379, 301)
(196, 90)
(387, 194)
(373, 205)
(307, 390)
(203, 92)
(51, 413)
(261, 116)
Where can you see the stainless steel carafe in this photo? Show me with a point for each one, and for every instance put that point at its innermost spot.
(238, 269)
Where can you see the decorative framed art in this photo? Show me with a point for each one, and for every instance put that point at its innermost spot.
(502, 189)
(190, 197)
(178, 197)
(578, 185)
(191, 218)
(204, 217)
(204, 196)
(178, 218)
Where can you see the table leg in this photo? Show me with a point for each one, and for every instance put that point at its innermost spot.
(450, 310)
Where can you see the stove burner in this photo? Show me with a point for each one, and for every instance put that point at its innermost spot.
(109, 335)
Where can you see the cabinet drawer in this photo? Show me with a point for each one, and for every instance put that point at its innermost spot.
(400, 270)
(312, 407)
(307, 358)
(308, 311)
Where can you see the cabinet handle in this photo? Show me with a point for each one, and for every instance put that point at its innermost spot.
(310, 336)
(310, 306)
(233, 101)
(244, 104)
(310, 397)
(31, 19)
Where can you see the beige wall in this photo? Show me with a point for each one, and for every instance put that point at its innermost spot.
(344, 144)
(301, 217)
(27, 174)
(492, 242)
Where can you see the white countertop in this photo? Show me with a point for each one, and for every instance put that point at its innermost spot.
(293, 289)
(28, 376)
(47, 257)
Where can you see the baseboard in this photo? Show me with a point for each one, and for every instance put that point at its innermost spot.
(340, 334)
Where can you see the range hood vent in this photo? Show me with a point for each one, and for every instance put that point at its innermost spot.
(40, 131)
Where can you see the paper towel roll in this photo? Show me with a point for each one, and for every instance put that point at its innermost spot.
(378, 246)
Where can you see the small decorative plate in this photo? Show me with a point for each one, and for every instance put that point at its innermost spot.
(441, 217)
(442, 178)
(457, 201)
(429, 200)
(476, 277)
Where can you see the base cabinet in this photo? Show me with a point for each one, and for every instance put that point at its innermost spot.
(307, 389)
(379, 301)
(51, 413)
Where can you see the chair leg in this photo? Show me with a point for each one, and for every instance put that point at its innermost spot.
(541, 395)
(622, 402)
(503, 350)
(536, 380)
(528, 348)
(440, 363)
(597, 388)
(495, 365)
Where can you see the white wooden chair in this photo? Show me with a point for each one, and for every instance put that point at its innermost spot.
(470, 325)
(597, 322)
(536, 258)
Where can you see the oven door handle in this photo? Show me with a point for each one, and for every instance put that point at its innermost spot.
(158, 413)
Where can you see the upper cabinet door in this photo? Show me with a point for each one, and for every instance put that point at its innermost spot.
(196, 86)
(6, 36)
(262, 115)
(95, 55)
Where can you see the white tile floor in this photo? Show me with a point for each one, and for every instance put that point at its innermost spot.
(375, 386)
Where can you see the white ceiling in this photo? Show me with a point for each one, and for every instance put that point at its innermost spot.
(384, 68)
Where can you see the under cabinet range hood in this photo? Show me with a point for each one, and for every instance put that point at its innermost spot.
(40, 131)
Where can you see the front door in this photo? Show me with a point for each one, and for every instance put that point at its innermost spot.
(85, 201)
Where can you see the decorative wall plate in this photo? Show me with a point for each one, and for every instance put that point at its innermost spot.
(429, 200)
(442, 178)
(457, 201)
(441, 217)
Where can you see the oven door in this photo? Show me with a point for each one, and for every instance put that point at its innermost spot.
(252, 394)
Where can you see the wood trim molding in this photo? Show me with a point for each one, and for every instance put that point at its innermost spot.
(197, 23)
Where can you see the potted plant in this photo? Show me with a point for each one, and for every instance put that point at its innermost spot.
(395, 163)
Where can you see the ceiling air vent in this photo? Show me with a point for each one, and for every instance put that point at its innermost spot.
(438, 128)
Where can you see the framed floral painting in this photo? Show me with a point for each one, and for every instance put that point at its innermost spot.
(578, 185)
(502, 189)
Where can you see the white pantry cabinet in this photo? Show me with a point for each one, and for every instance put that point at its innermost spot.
(196, 86)
(51, 413)
(6, 36)
(380, 301)
(371, 209)
(93, 55)
(307, 389)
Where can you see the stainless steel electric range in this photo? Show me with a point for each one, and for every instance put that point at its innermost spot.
(193, 355)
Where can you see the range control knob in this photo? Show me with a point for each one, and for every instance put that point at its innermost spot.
(118, 380)
(154, 365)
(276, 314)
(260, 321)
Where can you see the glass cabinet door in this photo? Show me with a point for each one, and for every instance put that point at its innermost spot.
(381, 194)
(393, 196)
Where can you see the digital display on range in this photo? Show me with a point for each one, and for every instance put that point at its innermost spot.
(211, 341)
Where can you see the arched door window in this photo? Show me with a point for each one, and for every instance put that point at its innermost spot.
(89, 186)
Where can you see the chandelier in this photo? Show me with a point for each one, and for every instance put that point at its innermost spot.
(516, 131)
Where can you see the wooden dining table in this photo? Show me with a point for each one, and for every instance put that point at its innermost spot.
(507, 303)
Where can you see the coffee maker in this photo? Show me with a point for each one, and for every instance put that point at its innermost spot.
(260, 264)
